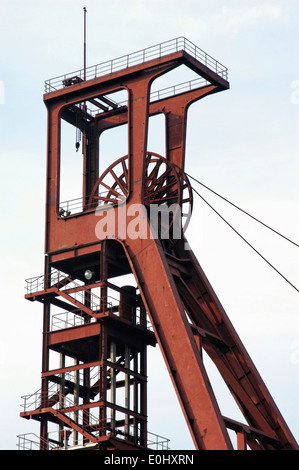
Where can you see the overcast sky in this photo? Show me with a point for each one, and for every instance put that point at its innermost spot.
(243, 143)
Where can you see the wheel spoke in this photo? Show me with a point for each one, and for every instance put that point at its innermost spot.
(165, 184)
(117, 180)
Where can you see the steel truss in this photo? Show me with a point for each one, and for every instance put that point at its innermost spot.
(100, 392)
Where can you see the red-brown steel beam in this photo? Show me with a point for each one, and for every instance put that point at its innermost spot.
(229, 354)
(165, 290)
(177, 343)
(137, 81)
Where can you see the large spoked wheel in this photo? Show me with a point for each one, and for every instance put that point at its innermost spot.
(167, 189)
(186, 197)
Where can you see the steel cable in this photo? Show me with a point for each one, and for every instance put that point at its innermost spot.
(242, 210)
(244, 239)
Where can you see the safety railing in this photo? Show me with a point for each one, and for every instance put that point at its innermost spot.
(56, 392)
(71, 319)
(31, 441)
(139, 57)
(63, 283)
(41, 399)
(89, 423)
(77, 205)
(77, 292)
(41, 282)
(178, 89)
(62, 440)
(64, 320)
(72, 206)
(32, 401)
(156, 442)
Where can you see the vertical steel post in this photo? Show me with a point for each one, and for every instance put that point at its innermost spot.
(113, 383)
(127, 390)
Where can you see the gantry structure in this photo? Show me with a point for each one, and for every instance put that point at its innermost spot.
(97, 326)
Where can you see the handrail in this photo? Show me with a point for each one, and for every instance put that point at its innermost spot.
(77, 205)
(31, 441)
(139, 57)
(70, 319)
(40, 283)
(26, 443)
(157, 442)
(37, 399)
(64, 320)
(178, 88)
(92, 423)
(73, 289)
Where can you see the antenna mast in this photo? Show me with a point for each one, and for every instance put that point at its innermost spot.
(84, 53)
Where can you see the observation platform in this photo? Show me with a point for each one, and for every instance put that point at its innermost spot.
(208, 67)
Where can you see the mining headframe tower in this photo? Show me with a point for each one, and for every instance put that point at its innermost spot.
(96, 327)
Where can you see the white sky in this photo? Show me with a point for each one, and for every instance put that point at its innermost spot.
(243, 143)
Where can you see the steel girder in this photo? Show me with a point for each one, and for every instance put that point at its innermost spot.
(185, 312)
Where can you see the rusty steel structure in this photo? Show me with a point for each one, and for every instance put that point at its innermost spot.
(97, 326)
